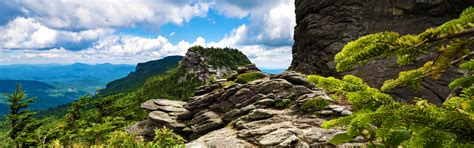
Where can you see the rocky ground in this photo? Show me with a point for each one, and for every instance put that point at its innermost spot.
(263, 112)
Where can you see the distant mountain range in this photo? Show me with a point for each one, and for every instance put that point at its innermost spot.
(64, 73)
(55, 84)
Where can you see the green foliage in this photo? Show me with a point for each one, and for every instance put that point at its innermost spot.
(449, 41)
(340, 138)
(21, 120)
(358, 93)
(228, 83)
(97, 133)
(164, 137)
(175, 84)
(381, 120)
(282, 103)
(314, 104)
(137, 78)
(121, 138)
(249, 77)
(219, 57)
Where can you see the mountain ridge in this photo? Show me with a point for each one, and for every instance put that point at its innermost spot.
(139, 76)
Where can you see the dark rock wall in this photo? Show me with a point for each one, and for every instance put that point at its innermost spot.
(325, 26)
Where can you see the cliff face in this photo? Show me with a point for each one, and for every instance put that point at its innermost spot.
(325, 26)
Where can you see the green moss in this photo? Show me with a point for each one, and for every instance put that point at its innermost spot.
(314, 104)
(283, 103)
(249, 77)
(228, 83)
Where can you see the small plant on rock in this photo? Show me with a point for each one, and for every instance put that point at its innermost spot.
(314, 104)
(282, 103)
(249, 77)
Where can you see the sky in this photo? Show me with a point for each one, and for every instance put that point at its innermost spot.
(133, 31)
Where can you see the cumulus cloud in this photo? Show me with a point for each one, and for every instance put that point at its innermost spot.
(271, 21)
(133, 49)
(112, 49)
(266, 39)
(29, 33)
(87, 14)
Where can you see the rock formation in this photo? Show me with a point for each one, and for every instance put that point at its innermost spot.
(325, 26)
(263, 112)
(197, 64)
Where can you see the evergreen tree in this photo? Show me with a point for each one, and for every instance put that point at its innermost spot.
(382, 121)
(448, 45)
(19, 117)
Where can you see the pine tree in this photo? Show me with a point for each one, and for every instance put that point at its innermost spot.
(19, 116)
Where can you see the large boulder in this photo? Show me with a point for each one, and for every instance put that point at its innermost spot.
(325, 26)
(263, 112)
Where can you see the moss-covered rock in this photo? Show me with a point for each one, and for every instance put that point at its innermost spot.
(315, 104)
(249, 77)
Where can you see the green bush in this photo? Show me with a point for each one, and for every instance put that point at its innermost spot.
(314, 104)
(249, 77)
(121, 138)
(164, 137)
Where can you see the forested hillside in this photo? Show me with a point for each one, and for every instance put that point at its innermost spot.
(139, 76)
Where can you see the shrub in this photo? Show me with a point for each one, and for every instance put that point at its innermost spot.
(249, 77)
(314, 104)
(164, 137)
(122, 138)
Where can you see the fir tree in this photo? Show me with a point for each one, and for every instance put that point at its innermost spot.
(382, 121)
(450, 44)
(19, 117)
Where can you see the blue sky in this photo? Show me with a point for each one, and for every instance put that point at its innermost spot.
(132, 31)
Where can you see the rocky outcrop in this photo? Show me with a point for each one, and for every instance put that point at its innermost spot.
(263, 112)
(325, 26)
(196, 63)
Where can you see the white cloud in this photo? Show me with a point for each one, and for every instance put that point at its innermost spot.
(266, 39)
(29, 33)
(271, 21)
(87, 14)
(268, 57)
(235, 38)
(132, 49)
(112, 49)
